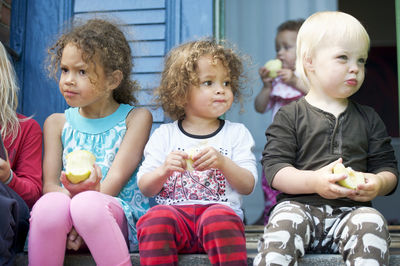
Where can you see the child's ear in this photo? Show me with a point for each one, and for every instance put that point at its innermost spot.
(115, 79)
(308, 64)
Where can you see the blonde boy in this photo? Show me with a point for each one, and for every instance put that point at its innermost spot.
(310, 136)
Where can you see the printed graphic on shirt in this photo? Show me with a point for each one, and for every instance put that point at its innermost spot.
(209, 185)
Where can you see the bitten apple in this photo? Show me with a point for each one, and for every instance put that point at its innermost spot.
(79, 165)
(273, 66)
(353, 179)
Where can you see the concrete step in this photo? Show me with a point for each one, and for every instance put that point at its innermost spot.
(202, 260)
(253, 233)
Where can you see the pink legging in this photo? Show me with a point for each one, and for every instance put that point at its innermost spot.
(98, 218)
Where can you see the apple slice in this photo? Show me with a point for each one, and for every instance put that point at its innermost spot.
(273, 66)
(189, 161)
(79, 165)
(353, 179)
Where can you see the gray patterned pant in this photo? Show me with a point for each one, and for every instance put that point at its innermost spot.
(360, 234)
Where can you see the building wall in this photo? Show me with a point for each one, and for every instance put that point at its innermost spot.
(5, 20)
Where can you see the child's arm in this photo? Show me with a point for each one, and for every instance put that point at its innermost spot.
(53, 175)
(288, 76)
(27, 167)
(292, 181)
(263, 97)
(52, 160)
(323, 182)
(152, 182)
(129, 155)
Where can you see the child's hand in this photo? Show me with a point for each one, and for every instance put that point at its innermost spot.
(325, 183)
(266, 80)
(208, 158)
(175, 161)
(74, 240)
(92, 183)
(369, 190)
(287, 76)
(4, 170)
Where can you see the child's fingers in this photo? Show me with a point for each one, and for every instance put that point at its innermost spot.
(175, 164)
(332, 164)
(178, 154)
(95, 176)
(362, 196)
(263, 72)
(64, 180)
(337, 177)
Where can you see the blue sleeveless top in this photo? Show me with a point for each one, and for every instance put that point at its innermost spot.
(102, 137)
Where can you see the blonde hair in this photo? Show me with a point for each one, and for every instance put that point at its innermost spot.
(8, 97)
(325, 28)
(180, 72)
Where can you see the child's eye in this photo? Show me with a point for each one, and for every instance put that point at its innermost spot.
(362, 61)
(82, 72)
(227, 83)
(64, 69)
(342, 57)
(207, 83)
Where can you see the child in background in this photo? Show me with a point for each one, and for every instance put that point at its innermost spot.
(20, 169)
(286, 87)
(200, 204)
(279, 91)
(310, 136)
(100, 212)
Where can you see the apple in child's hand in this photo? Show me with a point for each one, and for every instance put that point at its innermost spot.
(273, 66)
(189, 161)
(79, 165)
(353, 179)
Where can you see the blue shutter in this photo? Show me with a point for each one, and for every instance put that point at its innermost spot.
(34, 26)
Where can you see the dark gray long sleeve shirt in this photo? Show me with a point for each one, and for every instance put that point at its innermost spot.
(307, 138)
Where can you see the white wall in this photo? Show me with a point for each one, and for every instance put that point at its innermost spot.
(251, 25)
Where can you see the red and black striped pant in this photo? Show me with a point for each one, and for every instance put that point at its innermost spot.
(165, 230)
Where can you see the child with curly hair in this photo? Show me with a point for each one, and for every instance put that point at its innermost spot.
(101, 212)
(198, 166)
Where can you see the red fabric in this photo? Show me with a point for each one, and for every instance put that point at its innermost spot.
(165, 230)
(25, 156)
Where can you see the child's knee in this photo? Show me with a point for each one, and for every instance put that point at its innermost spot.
(290, 217)
(51, 212)
(159, 219)
(88, 208)
(225, 214)
(165, 212)
(367, 220)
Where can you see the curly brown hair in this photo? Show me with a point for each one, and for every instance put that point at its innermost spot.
(103, 40)
(180, 72)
